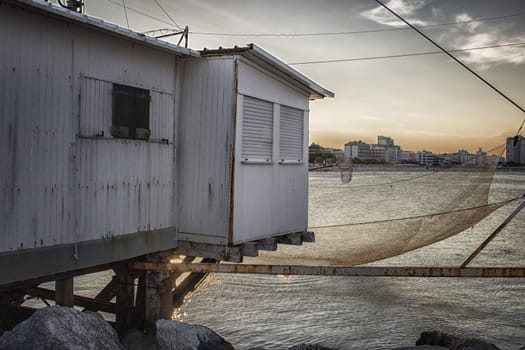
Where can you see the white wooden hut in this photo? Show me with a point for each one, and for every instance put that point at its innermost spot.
(242, 147)
(115, 145)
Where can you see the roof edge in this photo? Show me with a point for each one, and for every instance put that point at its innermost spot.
(316, 90)
(101, 25)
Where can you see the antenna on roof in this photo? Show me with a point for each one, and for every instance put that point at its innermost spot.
(166, 32)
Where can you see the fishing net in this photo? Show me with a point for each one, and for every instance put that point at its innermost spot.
(345, 169)
(392, 211)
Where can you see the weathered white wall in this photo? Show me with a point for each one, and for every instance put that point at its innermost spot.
(126, 186)
(36, 130)
(58, 184)
(270, 199)
(204, 149)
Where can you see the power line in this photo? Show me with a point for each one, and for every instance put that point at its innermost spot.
(141, 13)
(125, 12)
(354, 31)
(453, 57)
(167, 14)
(405, 55)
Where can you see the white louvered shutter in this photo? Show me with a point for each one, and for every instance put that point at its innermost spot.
(257, 130)
(291, 134)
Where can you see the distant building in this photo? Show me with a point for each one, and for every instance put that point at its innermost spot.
(425, 157)
(393, 154)
(516, 150)
(464, 156)
(357, 149)
(447, 158)
(481, 157)
(407, 156)
(386, 150)
(378, 152)
(385, 141)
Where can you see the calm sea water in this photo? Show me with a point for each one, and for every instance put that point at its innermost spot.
(277, 312)
(375, 313)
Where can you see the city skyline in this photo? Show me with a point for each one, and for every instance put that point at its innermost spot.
(423, 101)
(404, 148)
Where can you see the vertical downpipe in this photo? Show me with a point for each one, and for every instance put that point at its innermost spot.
(74, 178)
(177, 96)
(233, 149)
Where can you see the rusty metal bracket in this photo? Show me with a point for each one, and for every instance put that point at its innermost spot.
(363, 271)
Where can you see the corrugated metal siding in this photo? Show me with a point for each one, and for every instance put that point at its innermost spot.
(35, 130)
(291, 132)
(49, 178)
(205, 137)
(257, 129)
(125, 187)
(95, 107)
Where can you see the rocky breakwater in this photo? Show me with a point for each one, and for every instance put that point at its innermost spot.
(63, 328)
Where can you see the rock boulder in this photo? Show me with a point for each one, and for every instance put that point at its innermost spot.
(61, 328)
(173, 335)
(453, 342)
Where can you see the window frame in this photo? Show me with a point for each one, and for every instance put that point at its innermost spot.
(130, 112)
(261, 128)
(285, 112)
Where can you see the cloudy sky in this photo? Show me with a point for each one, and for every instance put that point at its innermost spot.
(422, 101)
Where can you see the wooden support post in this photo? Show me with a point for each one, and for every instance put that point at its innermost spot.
(189, 284)
(157, 294)
(125, 298)
(64, 291)
(108, 292)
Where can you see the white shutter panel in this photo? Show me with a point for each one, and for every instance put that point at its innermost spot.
(291, 134)
(257, 130)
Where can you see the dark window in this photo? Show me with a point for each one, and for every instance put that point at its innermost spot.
(130, 112)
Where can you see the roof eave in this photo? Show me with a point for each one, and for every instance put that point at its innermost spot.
(316, 90)
(257, 54)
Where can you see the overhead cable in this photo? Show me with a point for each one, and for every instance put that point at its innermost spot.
(125, 12)
(353, 31)
(453, 57)
(430, 215)
(405, 55)
(141, 13)
(167, 14)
